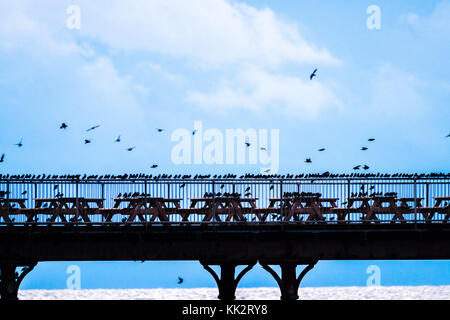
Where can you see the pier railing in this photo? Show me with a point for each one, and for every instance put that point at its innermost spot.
(228, 200)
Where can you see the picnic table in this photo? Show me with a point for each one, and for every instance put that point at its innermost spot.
(312, 205)
(377, 207)
(429, 213)
(232, 206)
(158, 207)
(6, 205)
(62, 206)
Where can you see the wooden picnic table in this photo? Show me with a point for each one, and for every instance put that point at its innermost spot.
(232, 206)
(312, 205)
(64, 205)
(429, 213)
(138, 206)
(377, 207)
(5, 207)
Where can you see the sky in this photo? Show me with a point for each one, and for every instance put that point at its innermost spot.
(134, 66)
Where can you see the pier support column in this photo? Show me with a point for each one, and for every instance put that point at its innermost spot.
(227, 283)
(289, 282)
(10, 279)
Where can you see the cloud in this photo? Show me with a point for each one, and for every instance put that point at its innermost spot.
(264, 92)
(23, 28)
(436, 24)
(251, 45)
(103, 78)
(213, 32)
(396, 93)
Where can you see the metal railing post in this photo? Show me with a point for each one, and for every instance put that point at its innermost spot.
(415, 202)
(348, 196)
(146, 200)
(214, 201)
(7, 199)
(281, 198)
(103, 200)
(76, 200)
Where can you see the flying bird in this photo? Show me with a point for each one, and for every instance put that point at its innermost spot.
(194, 132)
(323, 149)
(160, 130)
(24, 193)
(2, 159)
(63, 126)
(366, 167)
(131, 149)
(247, 144)
(20, 144)
(357, 167)
(180, 280)
(448, 135)
(313, 74)
(371, 139)
(93, 128)
(118, 139)
(154, 166)
(308, 160)
(86, 141)
(364, 148)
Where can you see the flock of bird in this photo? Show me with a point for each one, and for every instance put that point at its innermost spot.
(64, 126)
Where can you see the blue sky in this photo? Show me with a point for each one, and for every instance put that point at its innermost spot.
(134, 66)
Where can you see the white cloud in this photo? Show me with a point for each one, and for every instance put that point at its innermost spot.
(396, 93)
(23, 28)
(264, 92)
(437, 23)
(103, 78)
(214, 32)
(250, 44)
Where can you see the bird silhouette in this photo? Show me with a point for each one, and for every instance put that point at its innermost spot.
(131, 149)
(160, 130)
(323, 149)
(247, 144)
(20, 144)
(86, 141)
(2, 158)
(63, 126)
(263, 148)
(24, 192)
(118, 139)
(366, 167)
(364, 148)
(371, 139)
(154, 166)
(194, 132)
(308, 160)
(180, 280)
(313, 74)
(357, 167)
(93, 128)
